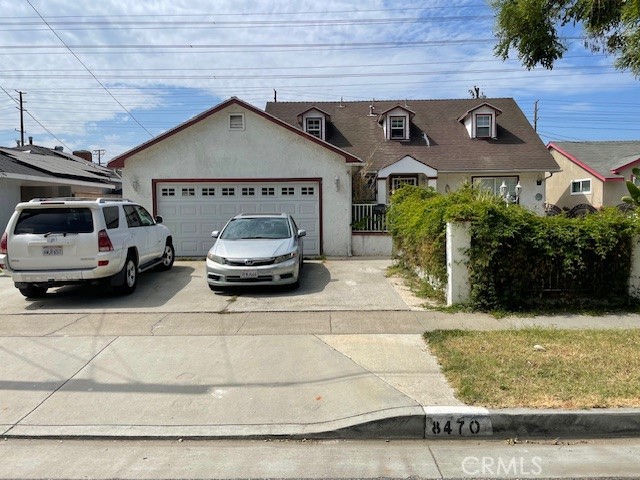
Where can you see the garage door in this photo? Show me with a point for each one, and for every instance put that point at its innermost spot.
(193, 210)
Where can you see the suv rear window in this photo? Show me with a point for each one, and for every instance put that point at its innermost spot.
(54, 220)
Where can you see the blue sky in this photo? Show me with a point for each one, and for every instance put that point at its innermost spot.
(109, 75)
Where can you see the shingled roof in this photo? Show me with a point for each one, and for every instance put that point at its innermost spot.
(354, 128)
(602, 158)
(48, 164)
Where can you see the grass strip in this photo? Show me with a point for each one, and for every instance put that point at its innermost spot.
(541, 368)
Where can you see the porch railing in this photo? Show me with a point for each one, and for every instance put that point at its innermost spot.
(367, 217)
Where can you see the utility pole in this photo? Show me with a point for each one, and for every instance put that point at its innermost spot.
(535, 116)
(21, 120)
(99, 152)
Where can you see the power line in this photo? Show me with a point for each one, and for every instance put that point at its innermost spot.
(245, 14)
(263, 46)
(88, 70)
(245, 24)
(36, 120)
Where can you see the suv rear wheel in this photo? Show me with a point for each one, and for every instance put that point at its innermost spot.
(33, 291)
(130, 276)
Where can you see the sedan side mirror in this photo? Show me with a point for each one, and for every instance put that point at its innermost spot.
(302, 233)
(215, 234)
(158, 218)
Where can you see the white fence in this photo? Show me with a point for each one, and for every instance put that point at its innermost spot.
(367, 217)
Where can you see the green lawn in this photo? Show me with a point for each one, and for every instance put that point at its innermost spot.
(576, 369)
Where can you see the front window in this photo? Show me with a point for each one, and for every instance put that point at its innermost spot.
(314, 126)
(483, 126)
(397, 129)
(492, 184)
(398, 182)
(579, 187)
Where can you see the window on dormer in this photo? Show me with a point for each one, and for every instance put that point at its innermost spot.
(397, 128)
(483, 126)
(313, 126)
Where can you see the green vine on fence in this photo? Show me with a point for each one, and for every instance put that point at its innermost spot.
(517, 260)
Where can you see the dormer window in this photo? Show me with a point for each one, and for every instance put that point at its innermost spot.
(397, 125)
(314, 121)
(483, 126)
(313, 126)
(480, 121)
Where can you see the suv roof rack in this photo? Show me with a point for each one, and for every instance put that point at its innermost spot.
(80, 199)
(113, 199)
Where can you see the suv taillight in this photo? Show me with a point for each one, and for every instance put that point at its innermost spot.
(3, 244)
(104, 242)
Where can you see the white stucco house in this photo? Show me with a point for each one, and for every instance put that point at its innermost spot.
(332, 165)
(237, 158)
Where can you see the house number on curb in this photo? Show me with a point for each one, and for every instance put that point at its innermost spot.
(458, 427)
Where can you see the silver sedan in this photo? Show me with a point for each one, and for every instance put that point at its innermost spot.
(256, 249)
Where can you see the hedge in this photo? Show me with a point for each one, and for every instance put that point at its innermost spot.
(517, 260)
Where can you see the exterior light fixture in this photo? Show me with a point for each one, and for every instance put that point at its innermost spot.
(336, 183)
(504, 193)
(136, 185)
(518, 192)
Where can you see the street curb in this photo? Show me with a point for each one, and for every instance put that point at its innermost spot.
(413, 423)
(566, 423)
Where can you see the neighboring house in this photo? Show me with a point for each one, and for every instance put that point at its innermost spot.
(593, 173)
(437, 143)
(37, 172)
(236, 158)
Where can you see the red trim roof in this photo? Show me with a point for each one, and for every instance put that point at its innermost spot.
(627, 165)
(582, 165)
(119, 161)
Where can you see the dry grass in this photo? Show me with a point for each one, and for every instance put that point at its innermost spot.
(576, 369)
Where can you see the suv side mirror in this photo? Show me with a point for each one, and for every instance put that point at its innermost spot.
(215, 234)
(302, 233)
(158, 218)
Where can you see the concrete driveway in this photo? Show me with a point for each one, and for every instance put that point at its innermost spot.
(333, 284)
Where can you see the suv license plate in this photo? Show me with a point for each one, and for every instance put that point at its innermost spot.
(51, 251)
(249, 274)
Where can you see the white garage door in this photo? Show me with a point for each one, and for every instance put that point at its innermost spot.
(192, 210)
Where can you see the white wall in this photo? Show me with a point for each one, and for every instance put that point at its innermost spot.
(528, 180)
(458, 242)
(364, 245)
(9, 197)
(209, 150)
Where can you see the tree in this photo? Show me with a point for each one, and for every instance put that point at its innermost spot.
(531, 27)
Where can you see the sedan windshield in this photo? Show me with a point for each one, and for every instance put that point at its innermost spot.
(250, 228)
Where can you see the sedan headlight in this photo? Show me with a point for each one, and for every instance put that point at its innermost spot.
(284, 258)
(216, 258)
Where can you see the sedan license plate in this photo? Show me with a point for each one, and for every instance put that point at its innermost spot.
(249, 274)
(47, 251)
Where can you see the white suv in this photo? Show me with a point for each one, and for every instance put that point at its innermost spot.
(53, 242)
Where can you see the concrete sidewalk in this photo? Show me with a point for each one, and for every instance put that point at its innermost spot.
(335, 374)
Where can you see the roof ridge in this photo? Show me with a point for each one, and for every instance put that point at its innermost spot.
(391, 100)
